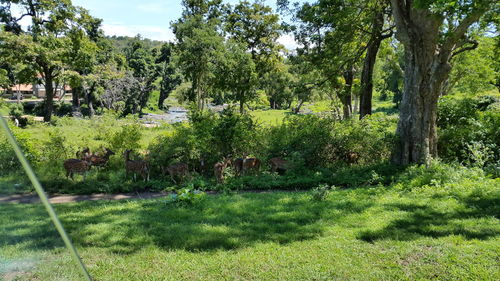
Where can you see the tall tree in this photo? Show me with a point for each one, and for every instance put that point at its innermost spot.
(170, 79)
(377, 34)
(333, 36)
(45, 41)
(142, 62)
(238, 74)
(200, 46)
(432, 32)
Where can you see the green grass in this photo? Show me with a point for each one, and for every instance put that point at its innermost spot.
(270, 117)
(377, 233)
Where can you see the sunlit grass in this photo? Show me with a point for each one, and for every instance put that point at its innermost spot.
(378, 233)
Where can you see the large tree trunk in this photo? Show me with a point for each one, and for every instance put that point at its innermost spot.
(417, 129)
(49, 97)
(366, 90)
(346, 97)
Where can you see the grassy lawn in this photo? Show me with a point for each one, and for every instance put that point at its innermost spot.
(269, 117)
(378, 233)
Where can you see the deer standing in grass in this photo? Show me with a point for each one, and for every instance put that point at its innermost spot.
(219, 169)
(245, 165)
(251, 165)
(180, 170)
(76, 166)
(101, 161)
(84, 154)
(136, 167)
(278, 164)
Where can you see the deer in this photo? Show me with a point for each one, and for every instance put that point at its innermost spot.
(84, 154)
(238, 166)
(278, 164)
(136, 166)
(78, 166)
(351, 157)
(219, 169)
(251, 165)
(101, 161)
(180, 169)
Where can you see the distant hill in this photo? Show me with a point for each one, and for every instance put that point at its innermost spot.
(121, 42)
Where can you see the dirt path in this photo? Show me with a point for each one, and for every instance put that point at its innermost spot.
(55, 199)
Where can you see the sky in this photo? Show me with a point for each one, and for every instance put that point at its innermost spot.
(150, 18)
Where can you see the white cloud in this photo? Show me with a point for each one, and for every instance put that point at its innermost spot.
(146, 31)
(288, 41)
(154, 7)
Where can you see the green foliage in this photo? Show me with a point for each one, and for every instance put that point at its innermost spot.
(8, 160)
(186, 197)
(321, 192)
(127, 137)
(437, 175)
(468, 134)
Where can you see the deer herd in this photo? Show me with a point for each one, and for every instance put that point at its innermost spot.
(242, 166)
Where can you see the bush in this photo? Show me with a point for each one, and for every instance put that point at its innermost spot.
(323, 142)
(186, 197)
(468, 135)
(8, 159)
(437, 174)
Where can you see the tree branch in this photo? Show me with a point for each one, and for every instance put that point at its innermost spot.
(468, 48)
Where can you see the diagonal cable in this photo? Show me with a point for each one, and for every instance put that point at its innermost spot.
(43, 198)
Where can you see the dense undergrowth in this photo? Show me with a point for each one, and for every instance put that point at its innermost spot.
(320, 150)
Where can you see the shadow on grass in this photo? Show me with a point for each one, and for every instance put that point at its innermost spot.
(219, 222)
(470, 221)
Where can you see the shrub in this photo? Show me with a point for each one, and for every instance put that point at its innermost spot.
(321, 192)
(8, 159)
(437, 174)
(186, 196)
(467, 135)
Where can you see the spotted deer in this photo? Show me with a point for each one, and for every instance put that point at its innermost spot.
(101, 160)
(180, 170)
(278, 164)
(84, 154)
(219, 169)
(76, 166)
(251, 165)
(136, 166)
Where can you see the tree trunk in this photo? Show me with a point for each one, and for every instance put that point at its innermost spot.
(242, 104)
(296, 110)
(426, 70)
(49, 97)
(162, 98)
(366, 90)
(346, 97)
(428, 51)
(76, 98)
(417, 129)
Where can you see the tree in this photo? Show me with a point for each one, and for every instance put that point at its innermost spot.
(142, 62)
(45, 43)
(170, 79)
(334, 39)
(473, 71)
(278, 86)
(432, 32)
(256, 26)
(377, 34)
(238, 74)
(200, 47)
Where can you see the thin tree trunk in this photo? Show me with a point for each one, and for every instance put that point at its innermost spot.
(296, 110)
(49, 97)
(76, 98)
(366, 90)
(346, 97)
